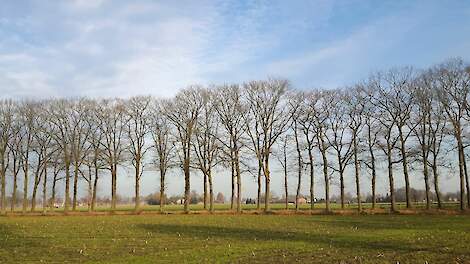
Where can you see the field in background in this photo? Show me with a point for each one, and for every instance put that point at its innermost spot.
(318, 208)
(236, 238)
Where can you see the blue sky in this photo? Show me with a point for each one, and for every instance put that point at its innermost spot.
(123, 48)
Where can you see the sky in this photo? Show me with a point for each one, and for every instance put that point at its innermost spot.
(104, 48)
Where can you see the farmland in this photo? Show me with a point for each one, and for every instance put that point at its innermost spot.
(245, 238)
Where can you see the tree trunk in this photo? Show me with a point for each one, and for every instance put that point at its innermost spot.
(113, 187)
(312, 180)
(390, 178)
(405, 168)
(466, 178)
(37, 179)
(341, 181)
(67, 185)
(239, 181)
(3, 176)
(268, 184)
(426, 176)
(325, 174)
(232, 167)
(90, 191)
(286, 192)
(75, 186)
(436, 182)
(95, 186)
(162, 189)
(211, 192)
(44, 191)
(15, 187)
(187, 186)
(299, 163)
(137, 186)
(205, 191)
(372, 166)
(461, 171)
(356, 173)
(25, 188)
(258, 201)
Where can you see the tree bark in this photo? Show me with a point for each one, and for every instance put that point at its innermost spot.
(461, 171)
(239, 180)
(3, 176)
(267, 175)
(299, 163)
(405, 167)
(113, 187)
(436, 182)
(312, 179)
(25, 188)
(75, 186)
(390, 178)
(95, 186)
(205, 191)
(44, 191)
(258, 201)
(211, 192)
(356, 173)
(162, 189)
(13, 195)
(187, 196)
(232, 166)
(137, 185)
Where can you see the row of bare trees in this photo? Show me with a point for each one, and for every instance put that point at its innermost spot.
(414, 123)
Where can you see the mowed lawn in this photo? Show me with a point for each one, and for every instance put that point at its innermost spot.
(227, 238)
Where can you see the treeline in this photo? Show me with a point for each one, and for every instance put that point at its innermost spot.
(404, 118)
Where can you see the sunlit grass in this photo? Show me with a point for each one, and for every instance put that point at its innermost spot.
(236, 238)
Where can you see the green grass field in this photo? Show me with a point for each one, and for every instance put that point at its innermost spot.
(246, 238)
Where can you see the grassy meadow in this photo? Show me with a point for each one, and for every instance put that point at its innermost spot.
(230, 238)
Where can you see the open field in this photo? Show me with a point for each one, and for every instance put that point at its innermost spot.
(247, 208)
(236, 238)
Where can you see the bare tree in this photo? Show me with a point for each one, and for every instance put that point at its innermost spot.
(183, 112)
(388, 118)
(163, 144)
(283, 149)
(355, 100)
(138, 128)
(231, 110)
(207, 144)
(78, 141)
(28, 122)
(452, 87)
(59, 117)
(6, 133)
(302, 123)
(268, 110)
(15, 147)
(338, 126)
(113, 125)
(319, 103)
(372, 130)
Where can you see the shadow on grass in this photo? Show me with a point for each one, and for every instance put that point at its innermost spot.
(397, 223)
(245, 234)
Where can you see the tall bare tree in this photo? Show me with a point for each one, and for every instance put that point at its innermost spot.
(163, 144)
(138, 128)
(268, 109)
(207, 144)
(231, 110)
(113, 125)
(6, 133)
(453, 89)
(183, 112)
(356, 100)
(338, 137)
